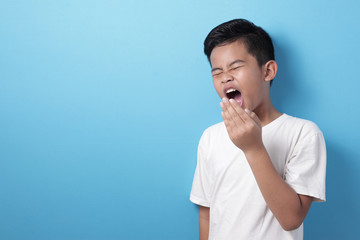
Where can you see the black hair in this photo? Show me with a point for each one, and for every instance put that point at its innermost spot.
(256, 40)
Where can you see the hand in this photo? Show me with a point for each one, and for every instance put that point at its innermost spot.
(243, 126)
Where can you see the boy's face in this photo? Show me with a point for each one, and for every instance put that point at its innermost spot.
(236, 74)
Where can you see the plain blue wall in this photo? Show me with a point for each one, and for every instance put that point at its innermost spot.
(102, 104)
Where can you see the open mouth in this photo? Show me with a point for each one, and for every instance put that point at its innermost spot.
(232, 93)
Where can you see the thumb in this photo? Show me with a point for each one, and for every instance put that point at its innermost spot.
(255, 118)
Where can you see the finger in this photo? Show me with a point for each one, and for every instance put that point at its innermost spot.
(228, 110)
(238, 110)
(222, 105)
(228, 119)
(224, 113)
(228, 122)
(256, 118)
(229, 107)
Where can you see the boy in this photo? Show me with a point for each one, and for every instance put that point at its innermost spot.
(259, 170)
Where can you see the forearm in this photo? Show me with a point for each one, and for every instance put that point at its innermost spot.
(204, 216)
(282, 200)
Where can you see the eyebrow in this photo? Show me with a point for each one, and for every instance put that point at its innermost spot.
(232, 63)
(236, 61)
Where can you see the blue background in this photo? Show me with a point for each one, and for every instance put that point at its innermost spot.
(102, 104)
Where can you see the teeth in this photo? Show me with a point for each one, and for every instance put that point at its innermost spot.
(231, 90)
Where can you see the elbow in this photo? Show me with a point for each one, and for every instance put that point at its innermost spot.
(290, 227)
(291, 224)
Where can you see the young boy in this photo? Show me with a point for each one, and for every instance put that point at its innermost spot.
(259, 170)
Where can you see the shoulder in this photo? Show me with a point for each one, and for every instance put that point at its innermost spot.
(289, 131)
(301, 126)
(213, 133)
(214, 129)
(300, 132)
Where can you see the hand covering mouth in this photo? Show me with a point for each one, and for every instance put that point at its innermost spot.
(232, 93)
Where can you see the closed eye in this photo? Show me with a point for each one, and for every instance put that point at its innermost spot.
(235, 68)
(217, 74)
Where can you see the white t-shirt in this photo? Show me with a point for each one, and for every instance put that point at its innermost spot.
(224, 181)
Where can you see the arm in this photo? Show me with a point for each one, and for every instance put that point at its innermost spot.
(288, 207)
(204, 223)
(244, 130)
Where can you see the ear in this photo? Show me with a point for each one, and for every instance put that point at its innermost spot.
(270, 70)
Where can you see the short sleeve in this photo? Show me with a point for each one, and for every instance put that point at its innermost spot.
(200, 191)
(305, 170)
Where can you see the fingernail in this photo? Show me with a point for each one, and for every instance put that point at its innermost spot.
(231, 100)
(224, 100)
(247, 111)
(221, 104)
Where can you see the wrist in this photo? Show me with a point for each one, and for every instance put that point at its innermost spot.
(255, 152)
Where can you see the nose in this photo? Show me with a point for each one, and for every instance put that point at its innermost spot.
(227, 78)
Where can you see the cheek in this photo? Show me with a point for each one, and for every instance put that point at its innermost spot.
(256, 74)
(241, 74)
(245, 77)
(250, 81)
